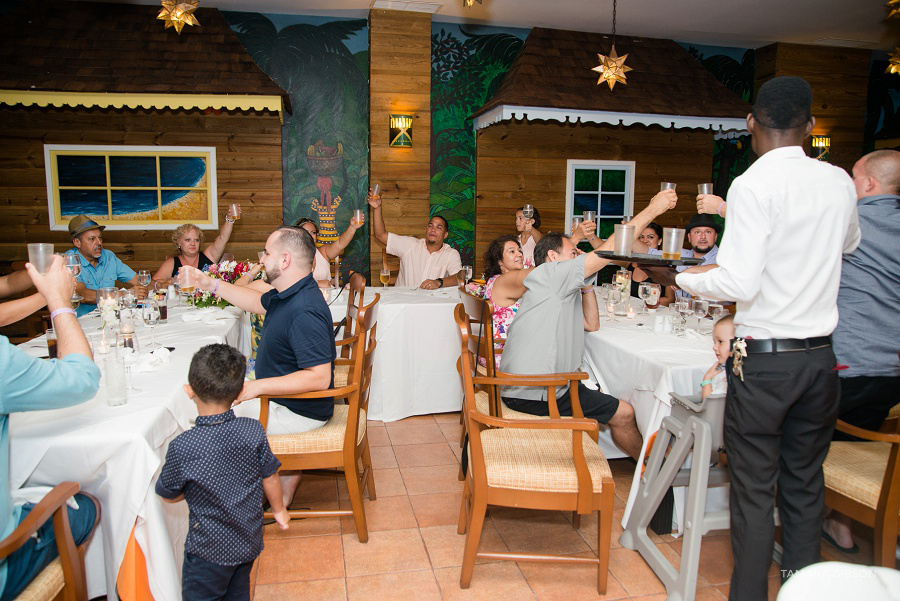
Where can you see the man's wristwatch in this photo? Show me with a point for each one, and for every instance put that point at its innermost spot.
(440, 282)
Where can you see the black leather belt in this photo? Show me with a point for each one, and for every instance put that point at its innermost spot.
(786, 345)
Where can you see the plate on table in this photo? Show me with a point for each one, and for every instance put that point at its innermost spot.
(644, 259)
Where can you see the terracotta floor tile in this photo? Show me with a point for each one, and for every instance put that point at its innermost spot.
(374, 423)
(716, 560)
(399, 586)
(414, 419)
(386, 513)
(445, 547)
(428, 480)
(402, 433)
(316, 489)
(306, 527)
(451, 431)
(388, 483)
(489, 582)
(623, 486)
(662, 597)
(457, 450)
(709, 593)
(560, 582)
(446, 417)
(303, 558)
(527, 531)
(383, 457)
(588, 528)
(633, 573)
(391, 551)
(378, 437)
(423, 455)
(312, 590)
(440, 509)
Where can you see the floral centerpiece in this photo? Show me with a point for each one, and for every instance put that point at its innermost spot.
(227, 271)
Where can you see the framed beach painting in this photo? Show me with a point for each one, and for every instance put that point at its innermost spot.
(132, 187)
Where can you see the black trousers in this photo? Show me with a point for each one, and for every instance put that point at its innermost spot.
(778, 426)
(866, 401)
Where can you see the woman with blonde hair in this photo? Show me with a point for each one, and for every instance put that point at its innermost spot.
(187, 240)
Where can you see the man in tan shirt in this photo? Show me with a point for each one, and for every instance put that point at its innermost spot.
(427, 262)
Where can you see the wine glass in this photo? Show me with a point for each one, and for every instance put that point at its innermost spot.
(716, 311)
(701, 308)
(384, 276)
(653, 298)
(467, 272)
(127, 299)
(528, 211)
(150, 313)
(644, 293)
(128, 349)
(604, 291)
(143, 277)
(684, 310)
(73, 264)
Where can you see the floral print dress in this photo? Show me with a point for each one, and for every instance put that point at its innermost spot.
(503, 317)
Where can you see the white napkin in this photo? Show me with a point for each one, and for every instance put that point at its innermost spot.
(695, 334)
(151, 361)
(209, 315)
(34, 494)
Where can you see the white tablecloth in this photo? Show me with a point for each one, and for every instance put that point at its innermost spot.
(115, 453)
(418, 346)
(630, 362)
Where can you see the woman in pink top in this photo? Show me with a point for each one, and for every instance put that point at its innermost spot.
(327, 252)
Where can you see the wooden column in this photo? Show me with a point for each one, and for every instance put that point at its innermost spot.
(839, 78)
(400, 82)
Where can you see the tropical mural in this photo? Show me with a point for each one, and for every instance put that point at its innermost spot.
(323, 64)
(467, 66)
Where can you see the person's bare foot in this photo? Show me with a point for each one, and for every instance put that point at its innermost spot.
(837, 527)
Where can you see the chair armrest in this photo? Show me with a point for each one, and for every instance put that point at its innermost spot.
(346, 341)
(583, 425)
(536, 380)
(573, 375)
(42, 512)
(342, 392)
(866, 434)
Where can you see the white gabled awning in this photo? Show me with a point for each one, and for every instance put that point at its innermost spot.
(721, 127)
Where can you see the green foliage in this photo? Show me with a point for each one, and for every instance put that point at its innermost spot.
(464, 75)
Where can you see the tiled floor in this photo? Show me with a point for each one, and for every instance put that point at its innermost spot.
(414, 551)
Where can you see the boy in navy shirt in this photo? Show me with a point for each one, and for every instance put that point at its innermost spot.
(221, 467)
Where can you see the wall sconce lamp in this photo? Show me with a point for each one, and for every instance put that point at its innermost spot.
(401, 131)
(822, 145)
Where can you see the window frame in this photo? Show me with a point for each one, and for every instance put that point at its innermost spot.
(573, 164)
(59, 223)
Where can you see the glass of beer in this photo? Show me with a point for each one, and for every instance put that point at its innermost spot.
(576, 221)
(384, 276)
(52, 351)
(235, 211)
(186, 282)
(673, 242)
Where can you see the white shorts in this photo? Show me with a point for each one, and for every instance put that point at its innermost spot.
(281, 419)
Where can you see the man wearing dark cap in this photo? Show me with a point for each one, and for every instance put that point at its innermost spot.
(790, 218)
(99, 268)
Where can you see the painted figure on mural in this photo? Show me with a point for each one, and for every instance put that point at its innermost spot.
(323, 162)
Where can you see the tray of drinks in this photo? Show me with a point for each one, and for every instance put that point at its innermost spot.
(649, 260)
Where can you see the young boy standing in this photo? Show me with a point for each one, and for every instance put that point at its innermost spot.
(221, 467)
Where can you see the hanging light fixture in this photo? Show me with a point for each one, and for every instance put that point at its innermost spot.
(612, 68)
(893, 61)
(470, 3)
(178, 14)
(894, 7)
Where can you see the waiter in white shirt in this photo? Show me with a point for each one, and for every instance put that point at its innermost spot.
(426, 263)
(790, 218)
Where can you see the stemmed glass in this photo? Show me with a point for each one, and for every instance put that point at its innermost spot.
(128, 349)
(151, 315)
(73, 263)
(644, 292)
(528, 211)
(127, 299)
(716, 311)
(684, 309)
(701, 308)
(143, 277)
(385, 276)
(467, 273)
(604, 291)
(611, 301)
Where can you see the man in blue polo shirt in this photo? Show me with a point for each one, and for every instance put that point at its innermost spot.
(99, 268)
(296, 351)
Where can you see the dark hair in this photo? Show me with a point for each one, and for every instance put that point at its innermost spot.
(444, 219)
(217, 374)
(656, 228)
(536, 215)
(304, 220)
(783, 103)
(297, 242)
(551, 241)
(494, 254)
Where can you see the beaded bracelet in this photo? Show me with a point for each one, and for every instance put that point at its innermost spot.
(719, 210)
(216, 287)
(704, 383)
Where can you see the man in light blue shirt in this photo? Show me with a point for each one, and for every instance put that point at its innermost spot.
(32, 384)
(99, 268)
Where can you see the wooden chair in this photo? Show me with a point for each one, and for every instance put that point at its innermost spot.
(392, 264)
(342, 443)
(862, 480)
(65, 574)
(542, 463)
(356, 288)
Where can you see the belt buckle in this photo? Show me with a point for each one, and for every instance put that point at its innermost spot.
(738, 352)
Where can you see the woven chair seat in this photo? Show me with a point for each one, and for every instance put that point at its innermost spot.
(483, 406)
(341, 375)
(326, 439)
(46, 585)
(539, 460)
(856, 470)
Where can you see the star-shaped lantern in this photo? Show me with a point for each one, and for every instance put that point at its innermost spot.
(612, 68)
(894, 6)
(470, 3)
(893, 61)
(178, 14)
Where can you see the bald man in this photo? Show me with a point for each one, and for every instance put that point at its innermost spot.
(867, 336)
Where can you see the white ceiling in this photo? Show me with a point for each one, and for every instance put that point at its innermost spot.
(739, 23)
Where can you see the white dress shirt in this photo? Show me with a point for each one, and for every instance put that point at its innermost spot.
(789, 219)
(417, 264)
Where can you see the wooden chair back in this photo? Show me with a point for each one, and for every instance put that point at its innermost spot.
(392, 264)
(481, 317)
(356, 288)
(366, 329)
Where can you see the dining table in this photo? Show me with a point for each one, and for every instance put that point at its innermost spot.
(115, 452)
(632, 361)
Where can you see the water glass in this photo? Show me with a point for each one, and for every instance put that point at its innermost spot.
(150, 314)
(611, 302)
(655, 292)
(467, 273)
(114, 375)
(528, 211)
(701, 307)
(704, 189)
(143, 277)
(667, 186)
(128, 349)
(716, 311)
(644, 294)
(41, 256)
(358, 218)
(604, 290)
(589, 215)
(624, 239)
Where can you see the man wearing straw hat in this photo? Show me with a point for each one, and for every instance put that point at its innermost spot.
(100, 268)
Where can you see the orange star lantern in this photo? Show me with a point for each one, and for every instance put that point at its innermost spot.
(612, 68)
(178, 14)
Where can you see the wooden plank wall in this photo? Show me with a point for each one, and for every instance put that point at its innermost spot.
(400, 82)
(839, 78)
(248, 153)
(522, 162)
